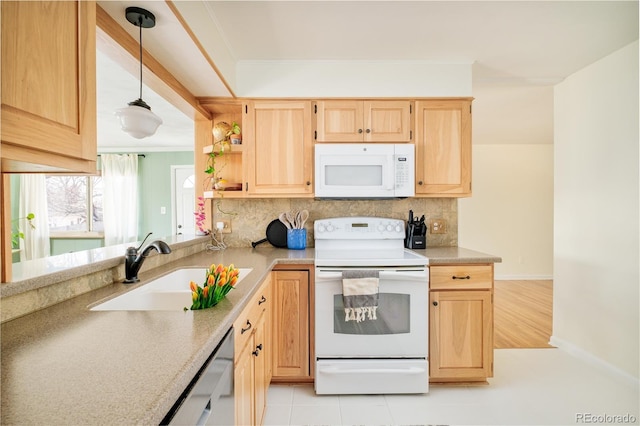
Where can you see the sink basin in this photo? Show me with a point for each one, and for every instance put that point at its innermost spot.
(167, 293)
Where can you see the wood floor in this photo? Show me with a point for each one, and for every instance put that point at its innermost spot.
(522, 313)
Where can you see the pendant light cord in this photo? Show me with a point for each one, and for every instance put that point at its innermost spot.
(140, 25)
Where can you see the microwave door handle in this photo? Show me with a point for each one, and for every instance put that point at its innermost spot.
(391, 176)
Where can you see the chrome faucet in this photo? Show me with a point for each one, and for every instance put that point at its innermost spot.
(133, 259)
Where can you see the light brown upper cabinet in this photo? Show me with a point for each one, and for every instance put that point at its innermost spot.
(49, 86)
(363, 121)
(278, 148)
(443, 148)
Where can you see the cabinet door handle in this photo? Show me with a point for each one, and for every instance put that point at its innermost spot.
(243, 330)
(257, 351)
(461, 278)
(262, 300)
(359, 130)
(308, 182)
(368, 130)
(419, 182)
(435, 303)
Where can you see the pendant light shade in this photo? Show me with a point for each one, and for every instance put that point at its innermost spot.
(137, 119)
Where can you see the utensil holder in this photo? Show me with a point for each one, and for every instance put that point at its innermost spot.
(297, 239)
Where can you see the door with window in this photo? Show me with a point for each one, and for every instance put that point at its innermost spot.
(183, 178)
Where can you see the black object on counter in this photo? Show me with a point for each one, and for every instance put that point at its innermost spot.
(276, 235)
(416, 235)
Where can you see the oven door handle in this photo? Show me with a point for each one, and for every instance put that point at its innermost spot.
(405, 371)
(327, 275)
(410, 275)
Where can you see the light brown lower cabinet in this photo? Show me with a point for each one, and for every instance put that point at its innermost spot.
(252, 374)
(461, 323)
(292, 340)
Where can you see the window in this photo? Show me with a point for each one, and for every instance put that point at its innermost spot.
(74, 204)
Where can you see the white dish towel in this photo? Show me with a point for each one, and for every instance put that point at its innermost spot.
(360, 295)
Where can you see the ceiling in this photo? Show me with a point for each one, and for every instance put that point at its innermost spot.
(519, 50)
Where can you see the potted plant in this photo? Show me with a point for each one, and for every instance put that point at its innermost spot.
(223, 134)
(235, 135)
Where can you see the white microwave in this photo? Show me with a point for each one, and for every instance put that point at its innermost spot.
(358, 170)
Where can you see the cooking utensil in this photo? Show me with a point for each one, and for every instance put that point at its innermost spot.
(283, 219)
(303, 215)
(276, 235)
(291, 218)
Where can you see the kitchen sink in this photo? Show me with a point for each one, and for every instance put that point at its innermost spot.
(169, 292)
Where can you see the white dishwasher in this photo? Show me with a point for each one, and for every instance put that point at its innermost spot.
(208, 400)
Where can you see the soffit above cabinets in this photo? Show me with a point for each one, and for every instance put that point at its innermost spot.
(507, 44)
(511, 42)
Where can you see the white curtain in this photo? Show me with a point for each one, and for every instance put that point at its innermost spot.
(33, 199)
(120, 198)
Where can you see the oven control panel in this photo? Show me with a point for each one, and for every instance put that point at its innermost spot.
(359, 228)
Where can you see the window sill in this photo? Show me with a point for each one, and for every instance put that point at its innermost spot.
(76, 235)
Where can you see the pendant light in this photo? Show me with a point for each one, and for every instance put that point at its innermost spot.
(137, 119)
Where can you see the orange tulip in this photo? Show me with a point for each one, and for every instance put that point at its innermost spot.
(211, 279)
(206, 292)
(193, 286)
(220, 268)
(233, 281)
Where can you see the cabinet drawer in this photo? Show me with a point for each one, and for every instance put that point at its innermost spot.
(457, 277)
(250, 316)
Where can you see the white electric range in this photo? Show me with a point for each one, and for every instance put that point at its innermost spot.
(387, 354)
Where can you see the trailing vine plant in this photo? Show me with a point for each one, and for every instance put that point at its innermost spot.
(16, 231)
(222, 132)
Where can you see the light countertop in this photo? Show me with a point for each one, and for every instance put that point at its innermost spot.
(69, 365)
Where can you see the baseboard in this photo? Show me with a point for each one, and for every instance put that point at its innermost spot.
(519, 277)
(578, 352)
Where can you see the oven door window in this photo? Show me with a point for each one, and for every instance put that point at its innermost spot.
(393, 316)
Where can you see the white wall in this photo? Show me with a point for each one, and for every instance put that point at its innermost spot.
(351, 79)
(596, 240)
(511, 212)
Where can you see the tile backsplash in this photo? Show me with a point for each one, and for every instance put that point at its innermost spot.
(250, 217)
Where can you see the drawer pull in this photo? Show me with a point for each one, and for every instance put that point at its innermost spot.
(242, 330)
(435, 303)
(262, 300)
(461, 278)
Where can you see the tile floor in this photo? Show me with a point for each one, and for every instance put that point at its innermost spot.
(530, 387)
